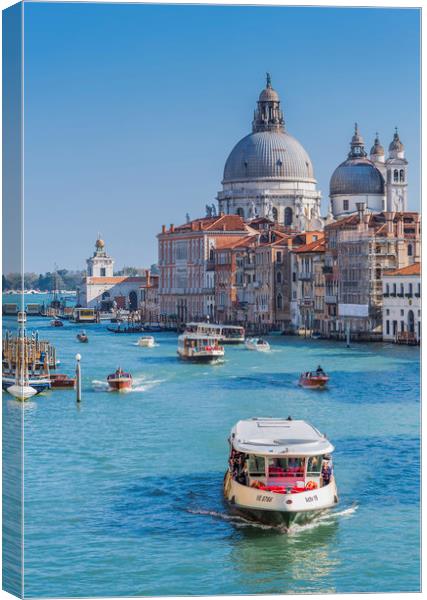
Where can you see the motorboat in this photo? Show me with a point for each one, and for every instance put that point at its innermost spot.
(21, 392)
(258, 344)
(280, 471)
(314, 379)
(57, 323)
(146, 341)
(119, 380)
(39, 383)
(197, 347)
(82, 337)
(59, 381)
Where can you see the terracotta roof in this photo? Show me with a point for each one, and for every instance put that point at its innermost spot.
(115, 280)
(221, 223)
(414, 269)
(317, 246)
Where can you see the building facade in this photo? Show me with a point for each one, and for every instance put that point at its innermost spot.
(401, 311)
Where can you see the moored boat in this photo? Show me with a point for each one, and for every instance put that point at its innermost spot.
(197, 347)
(21, 392)
(38, 383)
(280, 471)
(62, 382)
(314, 379)
(119, 380)
(146, 341)
(257, 344)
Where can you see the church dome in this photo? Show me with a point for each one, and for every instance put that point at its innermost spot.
(396, 145)
(268, 155)
(356, 176)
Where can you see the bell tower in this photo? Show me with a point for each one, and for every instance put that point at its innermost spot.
(397, 176)
(100, 264)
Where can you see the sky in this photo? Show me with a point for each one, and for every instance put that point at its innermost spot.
(131, 110)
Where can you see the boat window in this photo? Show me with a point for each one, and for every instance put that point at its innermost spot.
(285, 467)
(256, 465)
(314, 465)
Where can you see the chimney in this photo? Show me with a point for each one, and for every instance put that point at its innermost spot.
(200, 226)
(147, 277)
(361, 207)
(172, 228)
(221, 214)
(389, 216)
(163, 228)
(400, 233)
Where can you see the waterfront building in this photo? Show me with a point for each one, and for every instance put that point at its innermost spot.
(401, 311)
(359, 249)
(101, 289)
(187, 264)
(269, 173)
(378, 182)
(309, 284)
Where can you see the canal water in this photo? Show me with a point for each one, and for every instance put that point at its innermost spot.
(123, 492)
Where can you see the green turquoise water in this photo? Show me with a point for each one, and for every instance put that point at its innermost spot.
(123, 493)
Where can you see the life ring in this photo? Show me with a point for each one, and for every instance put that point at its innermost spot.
(311, 485)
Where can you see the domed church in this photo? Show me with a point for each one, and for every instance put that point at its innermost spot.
(269, 174)
(380, 184)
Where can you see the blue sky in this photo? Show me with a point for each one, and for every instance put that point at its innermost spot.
(131, 110)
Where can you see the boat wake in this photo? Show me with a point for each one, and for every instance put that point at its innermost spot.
(139, 384)
(327, 518)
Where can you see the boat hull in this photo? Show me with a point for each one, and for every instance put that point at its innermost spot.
(200, 358)
(272, 508)
(120, 385)
(40, 385)
(313, 382)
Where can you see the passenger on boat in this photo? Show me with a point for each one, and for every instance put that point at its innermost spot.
(326, 472)
(319, 371)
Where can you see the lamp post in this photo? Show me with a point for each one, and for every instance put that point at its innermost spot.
(78, 379)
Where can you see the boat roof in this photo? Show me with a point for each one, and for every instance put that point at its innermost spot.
(213, 325)
(198, 336)
(270, 436)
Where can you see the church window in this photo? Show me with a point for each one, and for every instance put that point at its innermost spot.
(275, 214)
(211, 254)
(279, 301)
(288, 216)
(389, 176)
(345, 205)
(103, 271)
(409, 249)
(396, 175)
(402, 175)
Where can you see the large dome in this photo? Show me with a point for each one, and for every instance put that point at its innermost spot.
(356, 176)
(268, 155)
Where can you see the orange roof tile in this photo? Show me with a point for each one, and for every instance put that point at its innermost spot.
(115, 280)
(414, 269)
(317, 246)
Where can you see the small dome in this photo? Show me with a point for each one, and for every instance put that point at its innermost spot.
(356, 176)
(269, 95)
(377, 149)
(100, 244)
(396, 145)
(268, 155)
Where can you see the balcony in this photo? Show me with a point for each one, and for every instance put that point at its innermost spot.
(305, 276)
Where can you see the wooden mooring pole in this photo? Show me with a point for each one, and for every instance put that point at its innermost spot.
(78, 379)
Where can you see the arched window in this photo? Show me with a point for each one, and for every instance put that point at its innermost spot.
(279, 277)
(288, 216)
(275, 214)
(409, 249)
(396, 175)
(211, 254)
(240, 212)
(402, 175)
(279, 301)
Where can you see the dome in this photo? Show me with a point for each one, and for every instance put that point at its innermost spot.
(377, 149)
(268, 155)
(396, 145)
(269, 95)
(356, 176)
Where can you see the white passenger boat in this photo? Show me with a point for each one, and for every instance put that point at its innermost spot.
(280, 471)
(146, 341)
(199, 348)
(257, 344)
(227, 334)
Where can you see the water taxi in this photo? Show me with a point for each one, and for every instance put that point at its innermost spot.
(57, 323)
(227, 334)
(199, 348)
(59, 381)
(83, 315)
(119, 380)
(314, 379)
(146, 341)
(280, 471)
(257, 344)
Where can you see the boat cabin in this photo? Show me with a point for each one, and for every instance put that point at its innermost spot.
(194, 342)
(84, 315)
(279, 454)
(225, 333)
